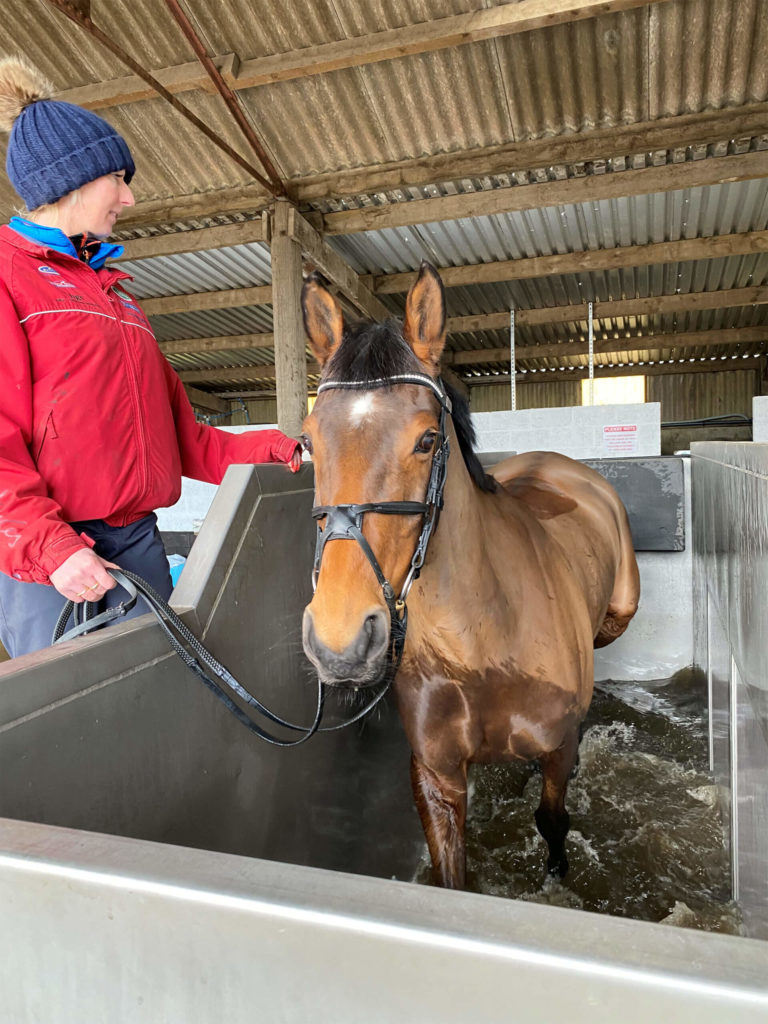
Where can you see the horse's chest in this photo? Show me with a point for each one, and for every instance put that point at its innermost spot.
(493, 717)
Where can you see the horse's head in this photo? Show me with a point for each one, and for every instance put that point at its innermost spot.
(369, 444)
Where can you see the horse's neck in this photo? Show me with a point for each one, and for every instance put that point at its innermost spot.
(459, 540)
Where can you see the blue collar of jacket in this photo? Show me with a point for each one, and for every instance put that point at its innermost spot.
(54, 238)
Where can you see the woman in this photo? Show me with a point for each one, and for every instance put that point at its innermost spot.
(95, 427)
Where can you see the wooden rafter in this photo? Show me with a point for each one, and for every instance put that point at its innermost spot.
(439, 34)
(205, 239)
(743, 244)
(232, 343)
(590, 188)
(334, 267)
(202, 400)
(628, 370)
(726, 298)
(235, 373)
(665, 134)
(687, 302)
(208, 300)
(243, 374)
(654, 342)
(613, 346)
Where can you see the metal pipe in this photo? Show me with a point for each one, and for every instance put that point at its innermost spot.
(512, 368)
(592, 355)
(75, 13)
(226, 94)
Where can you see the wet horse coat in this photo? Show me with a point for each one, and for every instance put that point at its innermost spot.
(529, 569)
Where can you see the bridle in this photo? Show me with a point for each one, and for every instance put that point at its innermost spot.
(345, 522)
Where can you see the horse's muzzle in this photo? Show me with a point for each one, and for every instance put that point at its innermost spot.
(363, 662)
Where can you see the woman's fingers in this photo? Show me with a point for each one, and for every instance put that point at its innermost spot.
(83, 577)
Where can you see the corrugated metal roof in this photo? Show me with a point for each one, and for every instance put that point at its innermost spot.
(237, 266)
(656, 61)
(661, 60)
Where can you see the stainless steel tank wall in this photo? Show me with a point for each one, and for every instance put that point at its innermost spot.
(97, 928)
(113, 733)
(730, 524)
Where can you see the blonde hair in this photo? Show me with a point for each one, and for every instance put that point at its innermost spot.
(50, 210)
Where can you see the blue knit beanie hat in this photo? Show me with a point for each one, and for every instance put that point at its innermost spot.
(55, 147)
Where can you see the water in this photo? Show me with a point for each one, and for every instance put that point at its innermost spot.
(646, 838)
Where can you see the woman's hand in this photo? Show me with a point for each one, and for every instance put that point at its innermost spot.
(295, 463)
(83, 577)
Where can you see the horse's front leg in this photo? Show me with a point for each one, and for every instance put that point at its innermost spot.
(552, 819)
(441, 800)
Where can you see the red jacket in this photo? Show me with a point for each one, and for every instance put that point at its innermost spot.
(94, 423)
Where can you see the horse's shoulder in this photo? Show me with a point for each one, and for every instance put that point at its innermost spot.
(551, 484)
(533, 478)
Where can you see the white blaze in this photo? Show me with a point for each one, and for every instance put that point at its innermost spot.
(361, 408)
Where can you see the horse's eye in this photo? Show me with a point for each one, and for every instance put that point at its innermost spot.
(426, 442)
(306, 443)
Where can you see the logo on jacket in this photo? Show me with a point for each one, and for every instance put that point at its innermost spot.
(130, 305)
(54, 277)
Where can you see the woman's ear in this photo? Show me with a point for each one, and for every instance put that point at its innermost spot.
(424, 326)
(323, 319)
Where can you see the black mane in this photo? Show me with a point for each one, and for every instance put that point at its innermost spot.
(372, 351)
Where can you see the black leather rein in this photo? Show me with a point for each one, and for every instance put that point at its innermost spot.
(343, 522)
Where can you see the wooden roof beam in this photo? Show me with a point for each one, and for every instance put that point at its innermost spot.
(724, 299)
(582, 147)
(228, 299)
(611, 346)
(206, 239)
(688, 339)
(635, 370)
(202, 400)
(217, 375)
(244, 374)
(424, 37)
(590, 188)
(334, 267)
(262, 294)
(712, 247)
(670, 133)
(231, 343)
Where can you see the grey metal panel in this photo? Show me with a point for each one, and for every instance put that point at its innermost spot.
(730, 524)
(653, 494)
(112, 733)
(97, 928)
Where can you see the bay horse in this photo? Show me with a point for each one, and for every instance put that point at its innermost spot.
(532, 566)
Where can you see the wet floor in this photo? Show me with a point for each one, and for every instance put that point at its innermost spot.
(646, 838)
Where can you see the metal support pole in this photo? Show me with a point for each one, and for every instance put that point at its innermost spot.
(512, 368)
(592, 357)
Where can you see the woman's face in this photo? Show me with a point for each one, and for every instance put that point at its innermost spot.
(100, 203)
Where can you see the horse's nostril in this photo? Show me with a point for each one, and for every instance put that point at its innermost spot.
(371, 638)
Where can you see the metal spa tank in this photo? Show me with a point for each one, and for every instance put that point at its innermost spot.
(157, 863)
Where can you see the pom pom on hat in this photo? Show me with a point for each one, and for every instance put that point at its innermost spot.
(55, 147)
(20, 85)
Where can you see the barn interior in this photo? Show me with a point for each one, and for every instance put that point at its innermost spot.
(590, 177)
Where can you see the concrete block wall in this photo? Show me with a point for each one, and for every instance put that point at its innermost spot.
(581, 431)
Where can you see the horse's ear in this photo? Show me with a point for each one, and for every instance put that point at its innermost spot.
(323, 319)
(424, 326)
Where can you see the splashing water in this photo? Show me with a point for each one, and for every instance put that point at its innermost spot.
(646, 839)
